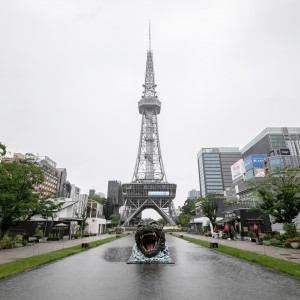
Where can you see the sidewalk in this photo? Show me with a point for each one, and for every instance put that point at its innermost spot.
(8, 255)
(292, 255)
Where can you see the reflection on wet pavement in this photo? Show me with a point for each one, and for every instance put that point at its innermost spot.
(198, 273)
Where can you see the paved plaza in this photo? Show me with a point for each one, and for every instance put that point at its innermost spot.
(198, 273)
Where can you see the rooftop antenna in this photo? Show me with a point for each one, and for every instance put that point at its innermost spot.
(149, 36)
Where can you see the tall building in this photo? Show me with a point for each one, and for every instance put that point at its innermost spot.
(274, 140)
(50, 185)
(214, 167)
(193, 194)
(75, 192)
(64, 187)
(92, 192)
(114, 198)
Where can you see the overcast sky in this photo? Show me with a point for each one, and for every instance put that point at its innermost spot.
(71, 75)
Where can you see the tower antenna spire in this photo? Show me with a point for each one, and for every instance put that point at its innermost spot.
(149, 35)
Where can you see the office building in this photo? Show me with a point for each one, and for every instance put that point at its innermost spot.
(193, 194)
(214, 167)
(275, 163)
(92, 192)
(274, 141)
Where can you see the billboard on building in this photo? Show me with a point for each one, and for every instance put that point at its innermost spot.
(237, 169)
(284, 152)
(158, 193)
(254, 161)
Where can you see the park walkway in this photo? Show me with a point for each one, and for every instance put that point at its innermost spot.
(288, 254)
(8, 255)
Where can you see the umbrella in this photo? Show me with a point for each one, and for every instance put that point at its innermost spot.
(226, 228)
(215, 229)
(255, 228)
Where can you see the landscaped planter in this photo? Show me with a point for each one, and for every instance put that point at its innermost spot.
(295, 245)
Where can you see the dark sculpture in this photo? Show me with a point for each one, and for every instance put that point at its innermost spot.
(150, 245)
(150, 238)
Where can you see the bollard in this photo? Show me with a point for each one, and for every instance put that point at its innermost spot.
(85, 245)
(214, 245)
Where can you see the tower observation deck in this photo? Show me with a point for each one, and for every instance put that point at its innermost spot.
(149, 187)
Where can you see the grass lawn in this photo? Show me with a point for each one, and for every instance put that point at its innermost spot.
(24, 264)
(264, 260)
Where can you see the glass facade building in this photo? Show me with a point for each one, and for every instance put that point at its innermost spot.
(214, 167)
(274, 139)
(275, 163)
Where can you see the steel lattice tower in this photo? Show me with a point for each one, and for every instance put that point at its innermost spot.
(149, 187)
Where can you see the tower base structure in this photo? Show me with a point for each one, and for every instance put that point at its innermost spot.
(141, 196)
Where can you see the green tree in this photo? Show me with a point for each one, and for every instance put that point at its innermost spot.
(183, 220)
(18, 197)
(98, 199)
(115, 220)
(2, 150)
(189, 207)
(209, 206)
(280, 195)
(161, 222)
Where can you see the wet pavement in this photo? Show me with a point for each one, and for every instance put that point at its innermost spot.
(198, 273)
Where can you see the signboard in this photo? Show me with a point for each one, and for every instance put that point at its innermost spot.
(158, 193)
(272, 153)
(254, 161)
(230, 215)
(284, 152)
(237, 169)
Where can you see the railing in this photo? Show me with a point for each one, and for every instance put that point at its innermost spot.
(240, 204)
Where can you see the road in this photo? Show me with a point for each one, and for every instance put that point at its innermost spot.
(198, 273)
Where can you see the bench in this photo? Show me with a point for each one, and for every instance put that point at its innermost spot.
(33, 240)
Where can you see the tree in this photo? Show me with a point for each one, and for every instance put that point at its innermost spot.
(189, 207)
(115, 220)
(18, 197)
(2, 150)
(280, 195)
(209, 206)
(98, 199)
(161, 222)
(183, 220)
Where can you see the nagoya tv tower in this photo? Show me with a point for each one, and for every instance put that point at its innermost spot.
(149, 187)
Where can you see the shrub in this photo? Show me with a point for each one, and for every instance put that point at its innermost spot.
(18, 239)
(273, 242)
(290, 229)
(267, 237)
(38, 233)
(251, 234)
(6, 242)
(281, 237)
